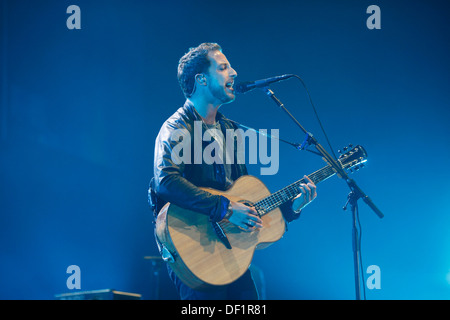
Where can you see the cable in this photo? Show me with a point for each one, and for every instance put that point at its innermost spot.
(317, 116)
(356, 208)
(358, 245)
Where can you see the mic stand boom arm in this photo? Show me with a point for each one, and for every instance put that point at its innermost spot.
(327, 157)
(355, 193)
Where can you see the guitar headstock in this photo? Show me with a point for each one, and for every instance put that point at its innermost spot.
(353, 158)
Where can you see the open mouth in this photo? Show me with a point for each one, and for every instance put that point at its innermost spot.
(229, 85)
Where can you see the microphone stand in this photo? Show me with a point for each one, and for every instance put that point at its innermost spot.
(355, 191)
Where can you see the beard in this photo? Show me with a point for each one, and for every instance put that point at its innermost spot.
(222, 93)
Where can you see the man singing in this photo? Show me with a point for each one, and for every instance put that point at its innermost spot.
(206, 79)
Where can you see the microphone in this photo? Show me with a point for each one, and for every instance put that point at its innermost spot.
(244, 87)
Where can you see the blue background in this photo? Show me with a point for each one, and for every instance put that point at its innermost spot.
(80, 110)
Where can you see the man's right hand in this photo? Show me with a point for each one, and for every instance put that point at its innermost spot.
(245, 217)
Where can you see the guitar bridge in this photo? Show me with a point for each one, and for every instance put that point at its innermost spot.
(221, 235)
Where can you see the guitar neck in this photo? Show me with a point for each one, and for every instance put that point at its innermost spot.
(291, 191)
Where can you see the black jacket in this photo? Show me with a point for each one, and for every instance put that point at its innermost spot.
(178, 183)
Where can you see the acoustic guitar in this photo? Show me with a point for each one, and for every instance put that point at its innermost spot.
(205, 254)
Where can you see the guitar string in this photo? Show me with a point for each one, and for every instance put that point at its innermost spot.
(277, 198)
(268, 203)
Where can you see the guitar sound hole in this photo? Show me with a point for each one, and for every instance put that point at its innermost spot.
(247, 203)
(250, 204)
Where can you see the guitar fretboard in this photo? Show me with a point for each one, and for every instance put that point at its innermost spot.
(288, 193)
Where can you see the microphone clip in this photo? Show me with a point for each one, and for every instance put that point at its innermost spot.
(306, 142)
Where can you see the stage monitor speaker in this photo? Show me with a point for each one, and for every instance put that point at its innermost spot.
(105, 294)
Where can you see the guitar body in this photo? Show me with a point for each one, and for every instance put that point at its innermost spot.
(200, 258)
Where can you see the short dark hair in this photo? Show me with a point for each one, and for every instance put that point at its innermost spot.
(192, 63)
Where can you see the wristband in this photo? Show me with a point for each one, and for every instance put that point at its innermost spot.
(229, 212)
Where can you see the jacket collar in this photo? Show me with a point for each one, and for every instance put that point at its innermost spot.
(195, 116)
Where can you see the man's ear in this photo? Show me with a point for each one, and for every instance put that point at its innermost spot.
(200, 79)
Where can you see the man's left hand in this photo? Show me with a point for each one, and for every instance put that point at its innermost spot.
(308, 194)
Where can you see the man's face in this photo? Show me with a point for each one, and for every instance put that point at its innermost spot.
(220, 77)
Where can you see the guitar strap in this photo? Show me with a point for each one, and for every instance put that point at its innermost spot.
(296, 145)
(300, 146)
